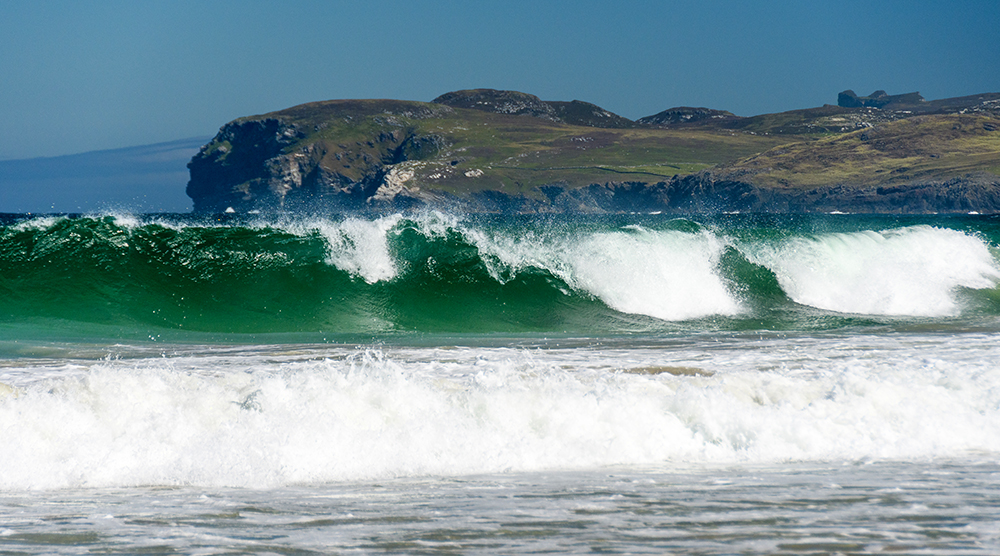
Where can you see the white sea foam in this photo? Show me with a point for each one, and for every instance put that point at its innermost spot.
(122, 219)
(669, 275)
(913, 271)
(436, 224)
(282, 418)
(37, 223)
(360, 247)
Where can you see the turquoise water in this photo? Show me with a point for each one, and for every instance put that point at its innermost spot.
(435, 383)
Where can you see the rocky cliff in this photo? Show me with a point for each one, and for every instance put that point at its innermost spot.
(504, 151)
(265, 163)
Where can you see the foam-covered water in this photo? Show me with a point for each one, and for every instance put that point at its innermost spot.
(268, 417)
(881, 507)
(425, 383)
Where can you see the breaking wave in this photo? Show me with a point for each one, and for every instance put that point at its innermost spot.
(439, 272)
(269, 417)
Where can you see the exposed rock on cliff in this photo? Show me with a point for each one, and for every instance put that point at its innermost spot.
(913, 103)
(245, 161)
(577, 112)
(279, 162)
(728, 193)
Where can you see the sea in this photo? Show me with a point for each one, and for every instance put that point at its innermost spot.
(439, 383)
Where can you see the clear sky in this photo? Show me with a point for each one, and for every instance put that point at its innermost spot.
(81, 75)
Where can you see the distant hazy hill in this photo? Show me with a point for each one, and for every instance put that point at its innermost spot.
(487, 150)
(149, 178)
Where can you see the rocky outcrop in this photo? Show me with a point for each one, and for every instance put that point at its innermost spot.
(912, 103)
(686, 115)
(581, 113)
(245, 158)
(499, 102)
(575, 112)
(261, 164)
(878, 99)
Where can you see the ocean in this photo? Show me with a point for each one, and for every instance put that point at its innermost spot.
(434, 383)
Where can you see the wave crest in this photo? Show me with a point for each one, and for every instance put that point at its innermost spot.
(913, 271)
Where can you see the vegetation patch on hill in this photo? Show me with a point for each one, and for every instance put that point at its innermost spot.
(921, 148)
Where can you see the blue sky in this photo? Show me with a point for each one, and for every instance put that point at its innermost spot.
(85, 75)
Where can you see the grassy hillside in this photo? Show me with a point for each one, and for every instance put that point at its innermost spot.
(916, 149)
(470, 150)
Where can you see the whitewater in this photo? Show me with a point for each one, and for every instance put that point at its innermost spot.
(425, 383)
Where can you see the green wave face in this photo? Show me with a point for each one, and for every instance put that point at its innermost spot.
(481, 275)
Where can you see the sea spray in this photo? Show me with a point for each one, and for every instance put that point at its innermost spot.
(360, 247)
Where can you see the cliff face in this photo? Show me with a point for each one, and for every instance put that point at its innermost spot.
(727, 193)
(706, 192)
(503, 151)
(244, 162)
(267, 163)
